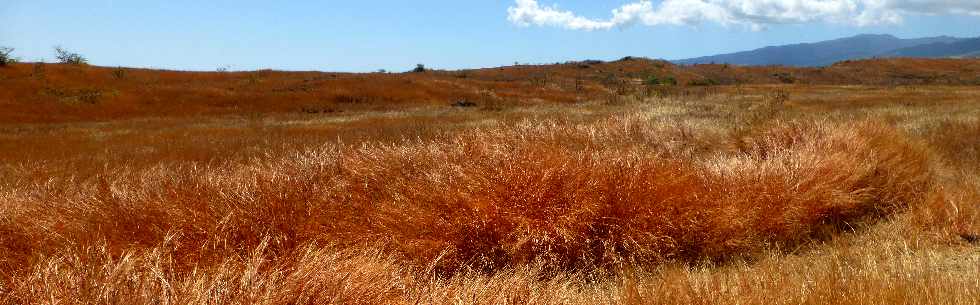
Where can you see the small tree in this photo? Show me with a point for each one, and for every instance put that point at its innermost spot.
(419, 68)
(67, 57)
(5, 58)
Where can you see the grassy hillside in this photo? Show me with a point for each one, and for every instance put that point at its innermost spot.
(48, 93)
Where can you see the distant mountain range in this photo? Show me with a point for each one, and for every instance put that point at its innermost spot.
(857, 47)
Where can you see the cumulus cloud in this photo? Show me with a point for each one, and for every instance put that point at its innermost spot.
(753, 13)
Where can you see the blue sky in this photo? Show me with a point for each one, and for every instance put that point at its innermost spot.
(395, 35)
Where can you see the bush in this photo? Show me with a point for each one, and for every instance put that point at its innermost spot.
(119, 73)
(5, 58)
(785, 77)
(704, 82)
(464, 104)
(653, 80)
(420, 68)
(68, 57)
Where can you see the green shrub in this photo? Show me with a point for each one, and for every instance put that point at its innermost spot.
(704, 82)
(653, 80)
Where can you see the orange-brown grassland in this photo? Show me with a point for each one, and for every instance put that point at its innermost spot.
(626, 182)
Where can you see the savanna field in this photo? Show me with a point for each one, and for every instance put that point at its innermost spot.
(625, 182)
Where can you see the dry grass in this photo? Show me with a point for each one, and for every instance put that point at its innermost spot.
(54, 93)
(751, 194)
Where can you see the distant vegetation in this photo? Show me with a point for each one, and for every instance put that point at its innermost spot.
(653, 80)
(67, 57)
(5, 56)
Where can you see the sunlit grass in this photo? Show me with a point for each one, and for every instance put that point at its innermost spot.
(720, 198)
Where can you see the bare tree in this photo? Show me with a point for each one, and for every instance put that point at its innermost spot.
(68, 57)
(5, 58)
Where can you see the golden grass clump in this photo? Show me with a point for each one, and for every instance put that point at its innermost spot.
(570, 197)
(509, 204)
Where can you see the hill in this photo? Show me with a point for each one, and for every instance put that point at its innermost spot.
(960, 48)
(851, 48)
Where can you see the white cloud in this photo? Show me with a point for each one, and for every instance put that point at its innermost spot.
(753, 13)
